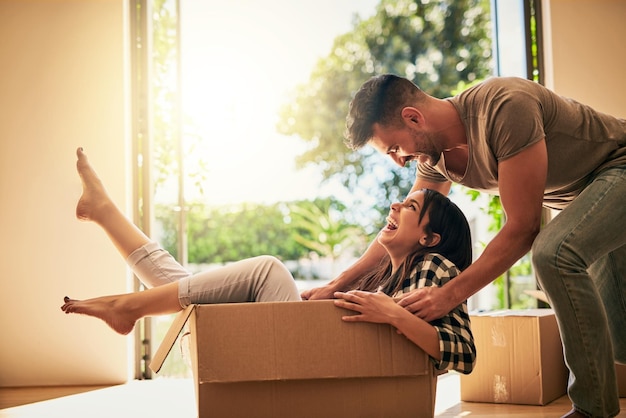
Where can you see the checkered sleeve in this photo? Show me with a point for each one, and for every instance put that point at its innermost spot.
(456, 342)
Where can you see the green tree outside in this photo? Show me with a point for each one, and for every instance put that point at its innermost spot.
(440, 45)
(289, 231)
(323, 229)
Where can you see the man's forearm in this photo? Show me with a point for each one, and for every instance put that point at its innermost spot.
(501, 253)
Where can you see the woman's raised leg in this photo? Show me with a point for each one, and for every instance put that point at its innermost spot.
(153, 265)
(95, 205)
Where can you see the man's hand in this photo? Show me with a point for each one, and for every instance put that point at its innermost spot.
(428, 303)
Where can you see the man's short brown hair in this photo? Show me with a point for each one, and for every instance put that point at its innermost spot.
(379, 100)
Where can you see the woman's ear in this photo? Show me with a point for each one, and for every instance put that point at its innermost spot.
(432, 240)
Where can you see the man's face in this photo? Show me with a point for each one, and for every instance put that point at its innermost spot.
(405, 144)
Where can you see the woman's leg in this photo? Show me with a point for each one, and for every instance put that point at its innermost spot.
(564, 257)
(95, 205)
(152, 265)
(259, 279)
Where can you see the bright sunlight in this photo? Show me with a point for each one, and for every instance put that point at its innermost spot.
(240, 59)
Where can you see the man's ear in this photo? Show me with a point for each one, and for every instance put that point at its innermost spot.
(411, 115)
(432, 240)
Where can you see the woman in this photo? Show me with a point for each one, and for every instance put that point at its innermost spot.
(425, 237)
(428, 243)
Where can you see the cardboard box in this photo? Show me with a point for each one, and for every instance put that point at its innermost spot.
(299, 359)
(619, 368)
(519, 358)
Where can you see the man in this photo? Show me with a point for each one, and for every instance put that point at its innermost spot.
(517, 139)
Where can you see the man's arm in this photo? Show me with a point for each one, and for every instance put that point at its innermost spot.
(521, 183)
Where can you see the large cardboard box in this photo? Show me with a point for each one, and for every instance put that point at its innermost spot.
(519, 358)
(299, 359)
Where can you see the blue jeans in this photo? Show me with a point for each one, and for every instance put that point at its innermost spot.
(580, 261)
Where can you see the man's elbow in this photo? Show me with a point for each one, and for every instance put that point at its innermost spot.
(525, 231)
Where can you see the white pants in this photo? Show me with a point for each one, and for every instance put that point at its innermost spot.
(258, 279)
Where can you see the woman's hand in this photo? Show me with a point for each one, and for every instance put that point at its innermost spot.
(380, 308)
(371, 307)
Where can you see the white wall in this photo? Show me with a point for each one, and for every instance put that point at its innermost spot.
(63, 85)
(585, 52)
(585, 56)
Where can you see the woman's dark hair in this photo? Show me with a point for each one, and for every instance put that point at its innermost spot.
(444, 218)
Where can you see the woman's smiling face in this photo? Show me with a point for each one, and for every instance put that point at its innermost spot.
(405, 232)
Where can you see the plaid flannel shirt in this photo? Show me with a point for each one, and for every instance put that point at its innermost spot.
(456, 341)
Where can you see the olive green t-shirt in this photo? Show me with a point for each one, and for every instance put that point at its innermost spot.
(503, 116)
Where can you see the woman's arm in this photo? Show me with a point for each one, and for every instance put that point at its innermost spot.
(453, 344)
(448, 341)
(380, 308)
(456, 340)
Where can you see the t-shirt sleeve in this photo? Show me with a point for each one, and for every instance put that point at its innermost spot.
(518, 124)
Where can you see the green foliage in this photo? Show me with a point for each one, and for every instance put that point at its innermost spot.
(437, 44)
(494, 209)
(165, 134)
(164, 89)
(223, 234)
(287, 231)
(322, 229)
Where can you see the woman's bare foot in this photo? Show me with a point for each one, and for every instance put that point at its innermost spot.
(94, 197)
(110, 309)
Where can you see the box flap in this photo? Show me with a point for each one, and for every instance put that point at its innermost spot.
(297, 340)
(170, 338)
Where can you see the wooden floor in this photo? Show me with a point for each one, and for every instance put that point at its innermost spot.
(168, 398)
(10, 397)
